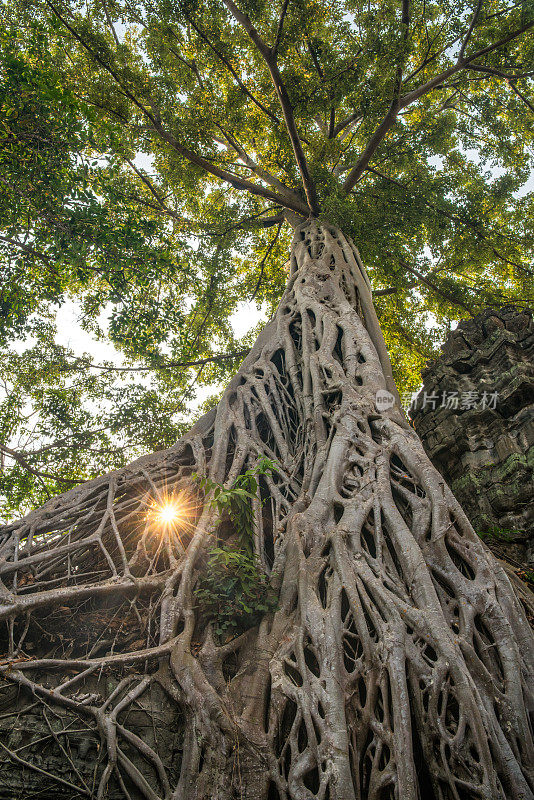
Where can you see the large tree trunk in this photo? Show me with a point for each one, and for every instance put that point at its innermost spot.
(398, 664)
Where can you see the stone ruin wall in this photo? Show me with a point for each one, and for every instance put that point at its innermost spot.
(485, 449)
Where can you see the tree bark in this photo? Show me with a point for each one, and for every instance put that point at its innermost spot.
(398, 664)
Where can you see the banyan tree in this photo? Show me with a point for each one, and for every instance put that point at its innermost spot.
(391, 658)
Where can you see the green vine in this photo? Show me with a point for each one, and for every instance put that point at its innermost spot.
(234, 591)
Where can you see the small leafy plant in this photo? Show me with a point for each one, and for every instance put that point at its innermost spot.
(234, 590)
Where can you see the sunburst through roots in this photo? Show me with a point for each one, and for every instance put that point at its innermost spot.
(173, 513)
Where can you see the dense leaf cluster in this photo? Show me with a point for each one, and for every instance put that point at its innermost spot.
(150, 158)
(234, 590)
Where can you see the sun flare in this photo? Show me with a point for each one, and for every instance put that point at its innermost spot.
(168, 513)
(173, 512)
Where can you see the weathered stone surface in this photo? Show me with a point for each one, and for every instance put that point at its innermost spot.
(54, 744)
(482, 438)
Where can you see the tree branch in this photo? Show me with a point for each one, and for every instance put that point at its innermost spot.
(467, 222)
(499, 73)
(469, 33)
(510, 80)
(110, 23)
(263, 174)
(168, 364)
(269, 57)
(314, 58)
(520, 95)
(232, 71)
(359, 168)
(189, 64)
(385, 292)
(436, 289)
(28, 765)
(189, 155)
(428, 59)
(391, 116)
(27, 249)
(405, 21)
(32, 470)
(340, 127)
(264, 259)
(280, 27)
(148, 183)
(332, 122)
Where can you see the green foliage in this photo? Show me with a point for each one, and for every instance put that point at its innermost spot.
(234, 590)
(114, 118)
(235, 501)
(496, 534)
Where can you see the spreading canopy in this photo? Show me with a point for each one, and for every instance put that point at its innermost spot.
(154, 157)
